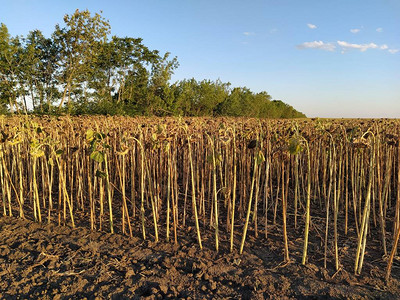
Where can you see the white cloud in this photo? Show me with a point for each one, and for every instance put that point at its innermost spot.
(361, 47)
(317, 45)
(248, 33)
(355, 30)
(311, 26)
(345, 46)
(380, 29)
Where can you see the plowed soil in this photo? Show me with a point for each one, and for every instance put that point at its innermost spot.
(59, 262)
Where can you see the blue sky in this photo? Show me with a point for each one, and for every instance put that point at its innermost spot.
(327, 58)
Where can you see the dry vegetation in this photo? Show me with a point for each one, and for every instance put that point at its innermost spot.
(159, 177)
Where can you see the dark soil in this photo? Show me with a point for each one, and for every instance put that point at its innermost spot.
(52, 262)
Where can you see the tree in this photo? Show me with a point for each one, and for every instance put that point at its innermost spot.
(286, 111)
(83, 69)
(199, 98)
(77, 45)
(40, 65)
(161, 100)
(239, 103)
(10, 69)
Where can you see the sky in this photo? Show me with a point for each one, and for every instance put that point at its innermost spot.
(326, 58)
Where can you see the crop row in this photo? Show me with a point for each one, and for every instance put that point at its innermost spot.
(226, 173)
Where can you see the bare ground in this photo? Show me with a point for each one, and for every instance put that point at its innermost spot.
(58, 262)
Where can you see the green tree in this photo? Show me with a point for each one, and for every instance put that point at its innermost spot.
(286, 111)
(199, 98)
(239, 103)
(262, 105)
(11, 60)
(127, 77)
(40, 65)
(78, 43)
(160, 98)
(82, 68)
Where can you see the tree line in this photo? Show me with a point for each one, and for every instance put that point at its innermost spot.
(81, 69)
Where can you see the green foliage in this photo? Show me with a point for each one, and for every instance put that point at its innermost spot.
(260, 158)
(295, 146)
(199, 98)
(11, 60)
(80, 69)
(97, 145)
(100, 174)
(97, 156)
